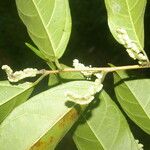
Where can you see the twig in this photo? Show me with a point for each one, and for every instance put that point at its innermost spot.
(87, 71)
(97, 69)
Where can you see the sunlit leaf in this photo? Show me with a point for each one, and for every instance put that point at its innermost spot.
(105, 129)
(127, 15)
(48, 23)
(134, 97)
(12, 96)
(42, 121)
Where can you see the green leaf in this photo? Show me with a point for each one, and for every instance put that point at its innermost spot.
(134, 97)
(36, 51)
(55, 79)
(128, 15)
(71, 75)
(42, 121)
(105, 129)
(12, 96)
(48, 23)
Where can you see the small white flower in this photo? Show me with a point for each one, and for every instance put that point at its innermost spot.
(99, 75)
(126, 38)
(131, 53)
(7, 69)
(142, 57)
(121, 31)
(134, 47)
(87, 98)
(80, 66)
(82, 100)
(140, 146)
(19, 75)
(131, 47)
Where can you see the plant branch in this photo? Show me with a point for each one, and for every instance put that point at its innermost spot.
(97, 69)
(87, 71)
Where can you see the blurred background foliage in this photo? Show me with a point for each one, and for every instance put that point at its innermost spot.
(91, 42)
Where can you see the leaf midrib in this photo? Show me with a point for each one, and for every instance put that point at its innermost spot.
(134, 96)
(45, 28)
(50, 127)
(93, 129)
(138, 101)
(95, 134)
(64, 28)
(133, 26)
(135, 120)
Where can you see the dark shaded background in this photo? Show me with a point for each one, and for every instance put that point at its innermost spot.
(91, 42)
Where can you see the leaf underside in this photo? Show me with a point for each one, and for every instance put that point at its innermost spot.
(105, 129)
(48, 23)
(133, 95)
(12, 96)
(128, 15)
(42, 121)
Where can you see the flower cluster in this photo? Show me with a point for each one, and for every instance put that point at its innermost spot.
(93, 89)
(87, 98)
(19, 75)
(131, 46)
(140, 146)
(80, 66)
